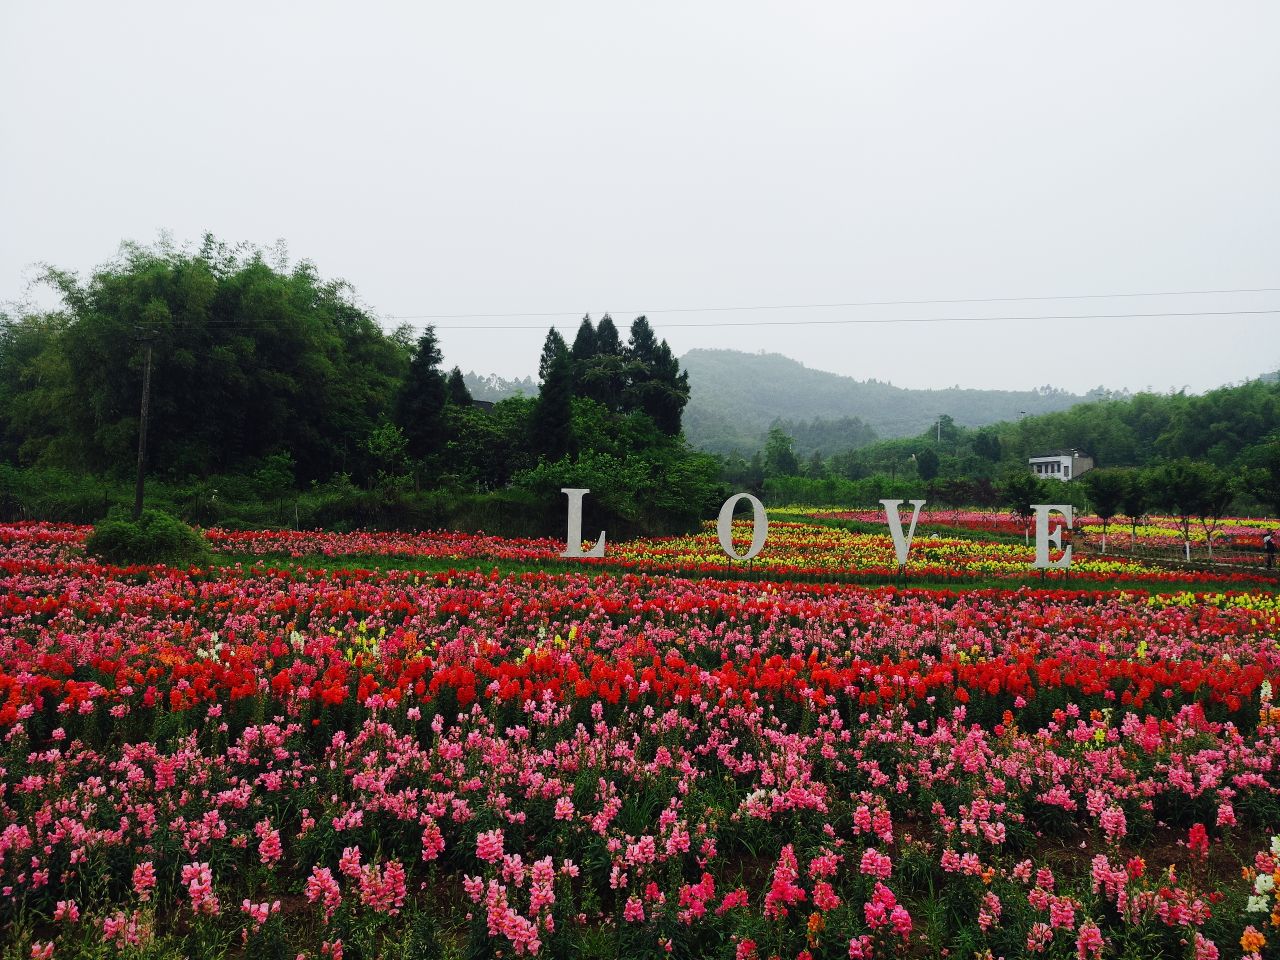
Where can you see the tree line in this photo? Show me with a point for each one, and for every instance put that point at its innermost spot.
(1231, 436)
(269, 382)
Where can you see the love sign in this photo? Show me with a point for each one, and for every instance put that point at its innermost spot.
(1045, 538)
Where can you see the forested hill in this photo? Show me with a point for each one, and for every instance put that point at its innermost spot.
(735, 396)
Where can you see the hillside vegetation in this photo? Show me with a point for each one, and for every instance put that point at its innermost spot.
(735, 397)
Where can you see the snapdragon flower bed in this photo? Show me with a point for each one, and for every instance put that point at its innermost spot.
(1237, 540)
(285, 761)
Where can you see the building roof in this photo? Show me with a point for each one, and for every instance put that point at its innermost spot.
(1057, 453)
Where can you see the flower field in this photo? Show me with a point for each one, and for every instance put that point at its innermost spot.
(802, 549)
(648, 756)
(1236, 539)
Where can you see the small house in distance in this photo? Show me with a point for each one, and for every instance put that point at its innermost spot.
(1061, 464)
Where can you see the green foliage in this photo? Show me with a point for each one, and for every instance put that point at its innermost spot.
(1021, 490)
(1134, 501)
(248, 355)
(927, 463)
(779, 457)
(552, 413)
(155, 537)
(55, 494)
(642, 493)
(267, 381)
(1261, 475)
(1187, 488)
(459, 395)
(421, 401)
(1107, 490)
(653, 383)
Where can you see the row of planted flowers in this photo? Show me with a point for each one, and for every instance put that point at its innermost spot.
(793, 550)
(381, 764)
(1236, 539)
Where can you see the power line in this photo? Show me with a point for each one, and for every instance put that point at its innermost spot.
(805, 323)
(830, 306)
(893, 320)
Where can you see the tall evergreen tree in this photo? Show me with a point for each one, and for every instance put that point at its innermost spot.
(607, 338)
(552, 348)
(655, 383)
(602, 376)
(584, 344)
(457, 391)
(551, 426)
(420, 406)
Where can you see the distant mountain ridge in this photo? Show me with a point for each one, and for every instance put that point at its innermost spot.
(735, 396)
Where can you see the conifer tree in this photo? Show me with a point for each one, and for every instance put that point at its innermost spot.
(420, 406)
(458, 393)
(552, 414)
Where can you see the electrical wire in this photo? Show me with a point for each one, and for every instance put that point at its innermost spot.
(853, 303)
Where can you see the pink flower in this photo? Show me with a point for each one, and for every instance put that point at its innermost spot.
(66, 911)
(738, 898)
(259, 912)
(1114, 824)
(489, 846)
(824, 896)
(349, 863)
(144, 880)
(1089, 942)
(323, 886)
(123, 929)
(383, 887)
(861, 948)
(1062, 913)
(199, 880)
(432, 841)
(1205, 948)
(269, 848)
(1039, 937)
(784, 890)
(633, 912)
(875, 864)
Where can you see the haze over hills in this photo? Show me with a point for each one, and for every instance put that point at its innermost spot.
(735, 396)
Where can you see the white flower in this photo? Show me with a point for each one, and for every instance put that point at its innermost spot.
(1275, 846)
(1266, 691)
(1264, 883)
(1257, 905)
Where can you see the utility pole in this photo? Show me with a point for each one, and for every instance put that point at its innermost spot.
(147, 341)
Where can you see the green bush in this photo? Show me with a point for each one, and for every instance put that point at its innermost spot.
(154, 538)
(49, 493)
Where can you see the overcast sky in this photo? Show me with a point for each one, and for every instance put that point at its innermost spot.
(518, 158)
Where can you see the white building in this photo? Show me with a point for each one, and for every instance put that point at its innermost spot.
(1060, 464)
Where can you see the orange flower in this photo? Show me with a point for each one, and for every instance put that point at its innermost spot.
(817, 923)
(1252, 939)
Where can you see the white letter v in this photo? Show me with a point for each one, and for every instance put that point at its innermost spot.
(900, 546)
